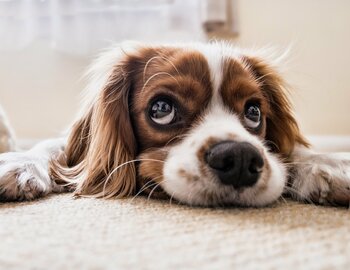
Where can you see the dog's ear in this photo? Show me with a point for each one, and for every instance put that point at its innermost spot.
(282, 131)
(101, 146)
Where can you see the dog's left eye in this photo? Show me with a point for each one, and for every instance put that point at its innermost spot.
(252, 116)
(162, 112)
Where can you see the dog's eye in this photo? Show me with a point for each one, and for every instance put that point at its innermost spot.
(162, 112)
(252, 116)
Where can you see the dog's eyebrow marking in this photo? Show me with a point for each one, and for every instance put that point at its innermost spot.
(158, 57)
(157, 74)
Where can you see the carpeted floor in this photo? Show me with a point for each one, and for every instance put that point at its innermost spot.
(65, 233)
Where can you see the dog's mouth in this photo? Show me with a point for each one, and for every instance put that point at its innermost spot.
(208, 191)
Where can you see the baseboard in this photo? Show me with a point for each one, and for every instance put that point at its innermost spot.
(319, 142)
(330, 143)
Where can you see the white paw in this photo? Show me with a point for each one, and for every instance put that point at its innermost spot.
(323, 179)
(24, 177)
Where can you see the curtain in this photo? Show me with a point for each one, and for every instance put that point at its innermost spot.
(84, 26)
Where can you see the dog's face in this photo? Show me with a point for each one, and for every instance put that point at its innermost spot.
(206, 124)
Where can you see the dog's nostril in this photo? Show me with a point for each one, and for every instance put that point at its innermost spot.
(237, 164)
(222, 164)
(218, 160)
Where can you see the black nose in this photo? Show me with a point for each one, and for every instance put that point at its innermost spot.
(235, 163)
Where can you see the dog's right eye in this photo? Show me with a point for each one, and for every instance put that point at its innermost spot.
(162, 112)
(252, 116)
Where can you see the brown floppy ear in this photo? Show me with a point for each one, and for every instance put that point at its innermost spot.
(101, 143)
(282, 131)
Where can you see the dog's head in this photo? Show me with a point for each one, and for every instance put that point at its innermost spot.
(205, 124)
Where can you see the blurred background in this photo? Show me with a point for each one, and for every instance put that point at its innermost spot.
(45, 45)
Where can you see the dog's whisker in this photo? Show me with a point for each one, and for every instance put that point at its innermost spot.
(158, 74)
(146, 66)
(171, 198)
(171, 63)
(150, 194)
(298, 193)
(174, 138)
(284, 199)
(158, 57)
(125, 164)
(146, 186)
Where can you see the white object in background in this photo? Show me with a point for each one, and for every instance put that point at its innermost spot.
(327, 144)
(84, 26)
(219, 17)
(7, 140)
(214, 15)
(330, 143)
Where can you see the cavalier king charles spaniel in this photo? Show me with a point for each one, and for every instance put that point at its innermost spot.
(202, 124)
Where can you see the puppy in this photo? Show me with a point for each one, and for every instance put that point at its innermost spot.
(203, 124)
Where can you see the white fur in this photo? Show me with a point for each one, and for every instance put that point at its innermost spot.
(320, 176)
(25, 175)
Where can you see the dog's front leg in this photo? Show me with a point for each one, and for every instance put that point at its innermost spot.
(25, 175)
(319, 178)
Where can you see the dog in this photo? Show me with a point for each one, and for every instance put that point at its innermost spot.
(205, 124)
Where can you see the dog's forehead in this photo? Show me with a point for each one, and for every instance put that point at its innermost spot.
(207, 63)
(215, 59)
(231, 76)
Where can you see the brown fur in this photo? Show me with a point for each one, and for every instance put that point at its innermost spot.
(240, 87)
(183, 76)
(150, 172)
(282, 131)
(101, 141)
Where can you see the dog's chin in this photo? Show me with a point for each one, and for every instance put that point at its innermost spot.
(223, 196)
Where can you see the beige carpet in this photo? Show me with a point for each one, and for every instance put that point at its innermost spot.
(65, 233)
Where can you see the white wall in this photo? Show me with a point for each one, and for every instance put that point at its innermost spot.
(319, 68)
(39, 88)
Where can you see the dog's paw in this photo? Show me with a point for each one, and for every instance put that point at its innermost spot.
(24, 177)
(322, 179)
